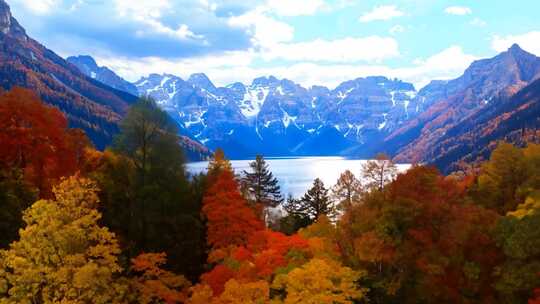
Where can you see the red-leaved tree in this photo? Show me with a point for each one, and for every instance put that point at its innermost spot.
(35, 138)
(230, 219)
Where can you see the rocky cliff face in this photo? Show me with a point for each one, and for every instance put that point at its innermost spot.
(9, 25)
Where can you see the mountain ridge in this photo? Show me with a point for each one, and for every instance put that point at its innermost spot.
(361, 117)
(87, 104)
(280, 112)
(482, 84)
(87, 65)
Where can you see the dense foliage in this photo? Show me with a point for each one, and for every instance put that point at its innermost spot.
(129, 225)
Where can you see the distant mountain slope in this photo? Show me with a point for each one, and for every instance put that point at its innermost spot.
(88, 104)
(515, 119)
(89, 67)
(454, 105)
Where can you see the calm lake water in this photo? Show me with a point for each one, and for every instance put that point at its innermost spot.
(296, 175)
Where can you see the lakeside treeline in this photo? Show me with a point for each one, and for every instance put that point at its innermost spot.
(129, 225)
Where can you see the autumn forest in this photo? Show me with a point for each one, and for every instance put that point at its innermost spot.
(130, 225)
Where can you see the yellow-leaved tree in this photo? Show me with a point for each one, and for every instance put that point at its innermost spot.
(320, 281)
(63, 255)
(245, 293)
(157, 285)
(235, 293)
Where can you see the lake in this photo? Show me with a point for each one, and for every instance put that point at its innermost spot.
(296, 175)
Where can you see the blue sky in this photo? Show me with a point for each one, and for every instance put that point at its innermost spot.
(308, 41)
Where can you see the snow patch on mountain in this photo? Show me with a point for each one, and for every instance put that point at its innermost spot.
(253, 100)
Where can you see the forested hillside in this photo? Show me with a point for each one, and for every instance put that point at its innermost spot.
(129, 225)
(88, 104)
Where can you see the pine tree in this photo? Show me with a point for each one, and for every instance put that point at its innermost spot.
(262, 186)
(313, 204)
(149, 202)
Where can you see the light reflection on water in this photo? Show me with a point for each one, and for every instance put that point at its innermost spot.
(296, 175)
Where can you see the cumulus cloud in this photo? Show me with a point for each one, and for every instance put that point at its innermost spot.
(237, 66)
(372, 48)
(227, 39)
(38, 7)
(227, 62)
(142, 28)
(296, 7)
(265, 30)
(142, 9)
(182, 32)
(384, 12)
(458, 10)
(149, 14)
(447, 64)
(528, 41)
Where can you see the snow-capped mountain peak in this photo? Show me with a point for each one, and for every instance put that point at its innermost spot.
(280, 117)
(271, 109)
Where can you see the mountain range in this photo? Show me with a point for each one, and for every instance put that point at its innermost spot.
(445, 123)
(277, 117)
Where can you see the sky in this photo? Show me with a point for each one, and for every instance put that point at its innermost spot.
(312, 42)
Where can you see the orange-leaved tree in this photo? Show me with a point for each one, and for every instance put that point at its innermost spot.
(266, 254)
(157, 285)
(231, 221)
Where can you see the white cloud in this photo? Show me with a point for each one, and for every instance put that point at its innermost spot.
(40, 7)
(295, 8)
(385, 12)
(266, 30)
(447, 64)
(458, 10)
(148, 12)
(132, 69)
(372, 48)
(238, 66)
(142, 9)
(182, 32)
(478, 22)
(529, 41)
(396, 29)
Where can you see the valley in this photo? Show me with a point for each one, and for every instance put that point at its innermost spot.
(269, 152)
